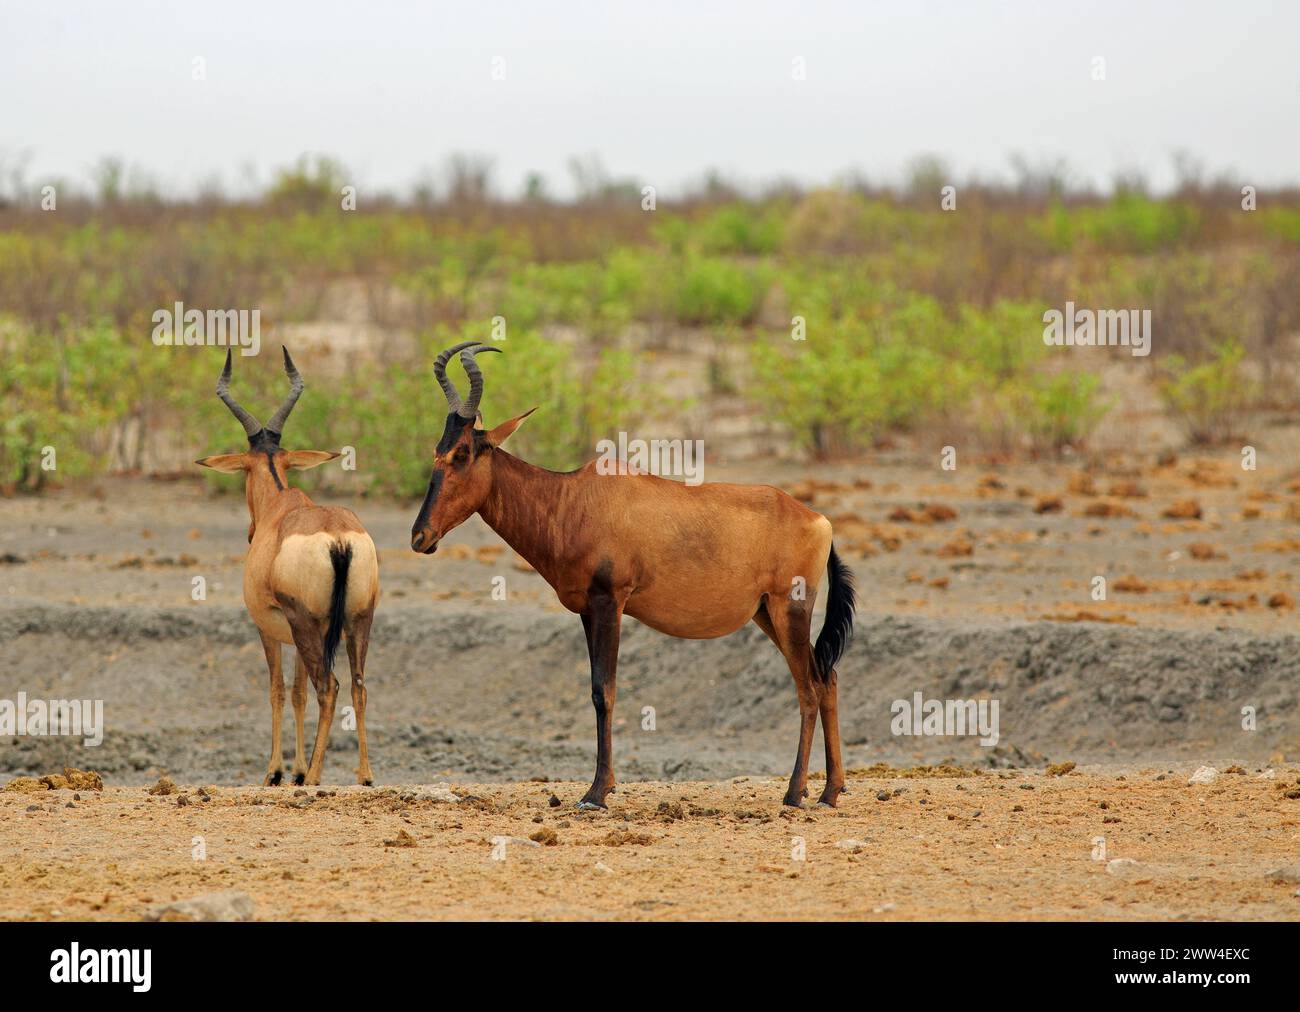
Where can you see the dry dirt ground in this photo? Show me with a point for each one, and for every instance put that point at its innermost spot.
(995, 846)
(972, 584)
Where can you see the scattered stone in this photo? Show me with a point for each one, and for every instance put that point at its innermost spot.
(1268, 774)
(546, 836)
(1060, 769)
(221, 906)
(1204, 775)
(403, 839)
(162, 788)
(443, 795)
(554, 802)
(622, 838)
(1184, 509)
(1121, 865)
(70, 780)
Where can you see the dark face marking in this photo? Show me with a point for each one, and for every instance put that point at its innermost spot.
(463, 453)
(466, 451)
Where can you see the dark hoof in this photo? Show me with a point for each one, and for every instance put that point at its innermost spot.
(367, 783)
(273, 779)
(299, 779)
(793, 801)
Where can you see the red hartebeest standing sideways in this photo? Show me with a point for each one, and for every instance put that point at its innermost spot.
(696, 562)
(311, 575)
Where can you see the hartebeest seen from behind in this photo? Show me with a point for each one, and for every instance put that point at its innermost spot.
(690, 561)
(311, 576)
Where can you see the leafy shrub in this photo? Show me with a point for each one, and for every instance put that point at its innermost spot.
(1209, 397)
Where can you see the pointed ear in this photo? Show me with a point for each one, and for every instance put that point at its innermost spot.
(301, 460)
(227, 463)
(502, 432)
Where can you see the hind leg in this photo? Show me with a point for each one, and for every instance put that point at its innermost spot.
(309, 638)
(788, 628)
(830, 713)
(327, 691)
(358, 642)
(299, 716)
(275, 768)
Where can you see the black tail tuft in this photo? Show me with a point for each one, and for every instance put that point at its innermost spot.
(837, 628)
(341, 557)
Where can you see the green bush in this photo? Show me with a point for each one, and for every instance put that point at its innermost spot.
(1209, 397)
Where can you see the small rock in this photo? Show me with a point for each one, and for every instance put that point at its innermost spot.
(1268, 774)
(1289, 874)
(1204, 775)
(883, 795)
(222, 906)
(554, 802)
(163, 787)
(440, 794)
(1121, 865)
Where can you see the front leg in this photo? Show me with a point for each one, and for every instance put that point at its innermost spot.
(601, 620)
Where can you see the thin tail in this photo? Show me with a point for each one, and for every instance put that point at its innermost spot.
(341, 557)
(837, 628)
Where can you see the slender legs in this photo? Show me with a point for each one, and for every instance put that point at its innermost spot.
(789, 628)
(299, 715)
(275, 768)
(309, 639)
(601, 621)
(358, 640)
(830, 711)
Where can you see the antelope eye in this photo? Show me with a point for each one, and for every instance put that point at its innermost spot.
(461, 456)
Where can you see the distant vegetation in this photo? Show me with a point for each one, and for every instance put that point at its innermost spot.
(913, 318)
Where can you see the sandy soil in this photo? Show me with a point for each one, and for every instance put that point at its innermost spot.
(997, 845)
(973, 584)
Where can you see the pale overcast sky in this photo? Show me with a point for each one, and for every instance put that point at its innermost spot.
(659, 91)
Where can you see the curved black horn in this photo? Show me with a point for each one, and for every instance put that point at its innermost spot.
(440, 374)
(276, 422)
(251, 425)
(470, 408)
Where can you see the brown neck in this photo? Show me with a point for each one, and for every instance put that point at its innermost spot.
(526, 507)
(265, 497)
